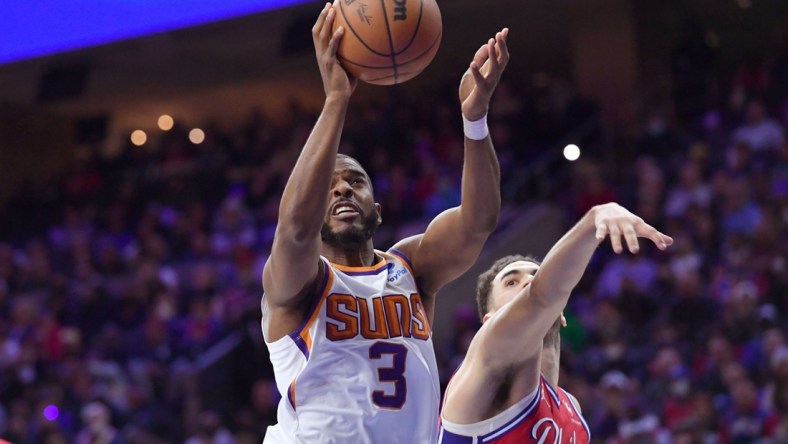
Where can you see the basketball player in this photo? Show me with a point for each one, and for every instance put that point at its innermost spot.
(348, 326)
(506, 390)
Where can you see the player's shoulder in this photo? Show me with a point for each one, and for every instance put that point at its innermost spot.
(408, 246)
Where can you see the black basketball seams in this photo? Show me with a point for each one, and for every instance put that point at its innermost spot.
(400, 74)
(392, 66)
(426, 51)
(415, 31)
(391, 39)
(396, 65)
(391, 44)
(353, 30)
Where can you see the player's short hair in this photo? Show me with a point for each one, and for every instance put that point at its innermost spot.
(346, 156)
(484, 283)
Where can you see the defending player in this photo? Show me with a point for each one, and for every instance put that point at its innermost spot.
(506, 390)
(348, 326)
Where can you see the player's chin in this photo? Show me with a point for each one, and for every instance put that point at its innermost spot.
(344, 233)
(346, 226)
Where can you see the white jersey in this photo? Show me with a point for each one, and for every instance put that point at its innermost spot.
(361, 367)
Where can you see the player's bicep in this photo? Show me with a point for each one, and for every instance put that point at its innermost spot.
(446, 250)
(492, 355)
(514, 333)
(290, 272)
(469, 394)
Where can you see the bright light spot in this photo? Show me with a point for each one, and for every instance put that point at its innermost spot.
(744, 4)
(51, 412)
(166, 122)
(197, 136)
(138, 137)
(572, 152)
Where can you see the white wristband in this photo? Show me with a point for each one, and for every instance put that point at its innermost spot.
(475, 130)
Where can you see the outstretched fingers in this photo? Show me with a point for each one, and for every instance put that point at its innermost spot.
(495, 53)
(336, 37)
(501, 50)
(499, 58)
(617, 222)
(631, 238)
(662, 241)
(478, 77)
(627, 232)
(326, 32)
(320, 22)
(615, 237)
(601, 232)
(481, 55)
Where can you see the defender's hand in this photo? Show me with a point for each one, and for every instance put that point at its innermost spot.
(481, 78)
(335, 79)
(614, 220)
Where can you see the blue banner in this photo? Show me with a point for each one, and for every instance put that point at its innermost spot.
(34, 28)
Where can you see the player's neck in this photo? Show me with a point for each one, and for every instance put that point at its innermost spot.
(551, 363)
(351, 257)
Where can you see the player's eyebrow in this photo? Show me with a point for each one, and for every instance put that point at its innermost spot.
(352, 171)
(529, 271)
(511, 272)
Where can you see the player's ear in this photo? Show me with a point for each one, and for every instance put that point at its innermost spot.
(379, 211)
(486, 317)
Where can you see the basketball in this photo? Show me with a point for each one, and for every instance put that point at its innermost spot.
(387, 41)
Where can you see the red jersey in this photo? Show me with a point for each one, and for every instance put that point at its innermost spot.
(546, 416)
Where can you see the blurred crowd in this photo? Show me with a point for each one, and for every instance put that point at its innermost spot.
(690, 346)
(686, 346)
(130, 284)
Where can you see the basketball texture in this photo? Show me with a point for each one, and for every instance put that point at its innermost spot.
(387, 41)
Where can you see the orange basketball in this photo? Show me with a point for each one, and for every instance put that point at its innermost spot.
(387, 41)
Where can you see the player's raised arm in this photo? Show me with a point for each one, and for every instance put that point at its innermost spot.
(529, 301)
(515, 332)
(293, 267)
(453, 241)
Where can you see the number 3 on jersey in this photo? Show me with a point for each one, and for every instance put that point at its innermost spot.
(395, 374)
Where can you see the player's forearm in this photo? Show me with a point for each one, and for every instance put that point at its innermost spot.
(539, 305)
(305, 197)
(565, 263)
(481, 187)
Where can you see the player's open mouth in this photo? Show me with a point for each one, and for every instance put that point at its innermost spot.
(344, 210)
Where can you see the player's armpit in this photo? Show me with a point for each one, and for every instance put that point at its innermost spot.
(286, 304)
(444, 251)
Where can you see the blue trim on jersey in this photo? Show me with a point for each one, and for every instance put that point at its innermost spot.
(516, 421)
(402, 256)
(585, 425)
(447, 437)
(296, 334)
(578, 413)
(299, 342)
(553, 393)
